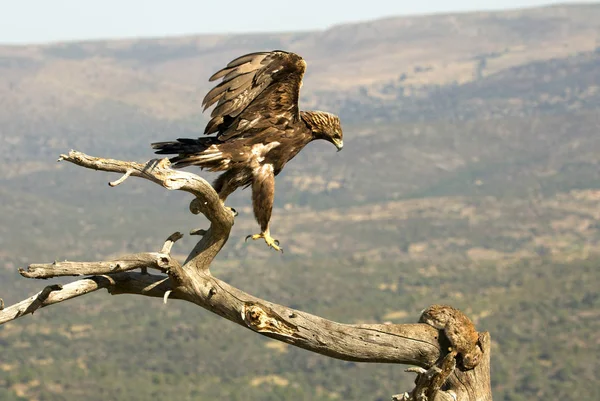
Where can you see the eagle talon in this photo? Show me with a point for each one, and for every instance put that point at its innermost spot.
(271, 242)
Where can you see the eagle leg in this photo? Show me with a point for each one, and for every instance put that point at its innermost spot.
(263, 194)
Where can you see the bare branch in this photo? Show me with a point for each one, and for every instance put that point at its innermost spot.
(160, 172)
(51, 295)
(118, 283)
(207, 200)
(153, 260)
(415, 344)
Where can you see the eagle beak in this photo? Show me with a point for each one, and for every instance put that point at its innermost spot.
(339, 145)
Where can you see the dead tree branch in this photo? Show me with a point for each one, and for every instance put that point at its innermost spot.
(155, 260)
(449, 365)
(160, 172)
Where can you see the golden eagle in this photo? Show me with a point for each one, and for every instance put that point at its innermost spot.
(258, 127)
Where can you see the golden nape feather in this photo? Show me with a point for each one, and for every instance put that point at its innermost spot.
(321, 120)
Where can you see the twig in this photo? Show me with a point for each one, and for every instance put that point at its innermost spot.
(166, 296)
(120, 180)
(168, 245)
(429, 382)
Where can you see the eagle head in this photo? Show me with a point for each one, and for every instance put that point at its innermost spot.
(324, 126)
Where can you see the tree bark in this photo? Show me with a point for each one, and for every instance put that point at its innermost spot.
(437, 346)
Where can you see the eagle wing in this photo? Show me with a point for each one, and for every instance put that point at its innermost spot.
(259, 92)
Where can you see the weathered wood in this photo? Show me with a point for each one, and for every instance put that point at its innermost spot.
(425, 344)
(52, 295)
(154, 260)
(415, 344)
(409, 344)
(474, 384)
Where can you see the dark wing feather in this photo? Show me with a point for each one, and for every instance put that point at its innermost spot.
(258, 91)
(249, 58)
(234, 83)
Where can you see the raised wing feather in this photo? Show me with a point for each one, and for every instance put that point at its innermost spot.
(257, 91)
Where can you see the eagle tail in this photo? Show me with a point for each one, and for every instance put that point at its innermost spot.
(202, 152)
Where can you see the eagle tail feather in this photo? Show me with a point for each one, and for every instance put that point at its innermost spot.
(202, 152)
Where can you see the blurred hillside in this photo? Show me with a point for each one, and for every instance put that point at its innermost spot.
(470, 175)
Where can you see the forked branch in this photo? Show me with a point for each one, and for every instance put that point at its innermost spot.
(422, 344)
(160, 172)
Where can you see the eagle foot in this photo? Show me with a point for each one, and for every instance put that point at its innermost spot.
(271, 242)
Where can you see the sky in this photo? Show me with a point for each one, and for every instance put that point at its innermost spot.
(42, 21)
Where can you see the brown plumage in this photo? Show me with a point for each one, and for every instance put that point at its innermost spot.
(258, 128)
